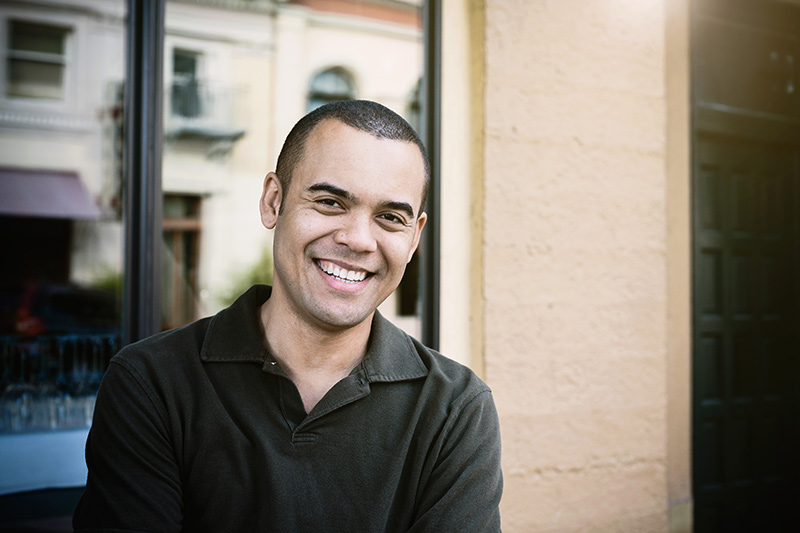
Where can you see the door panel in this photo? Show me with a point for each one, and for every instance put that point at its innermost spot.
(746, 266)
(746, 346)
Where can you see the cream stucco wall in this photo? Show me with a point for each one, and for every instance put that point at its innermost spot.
(572, 256)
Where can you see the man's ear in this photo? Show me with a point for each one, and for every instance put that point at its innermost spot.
(271, 198)
(421, 219)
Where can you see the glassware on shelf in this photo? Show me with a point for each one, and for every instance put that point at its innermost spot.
(50, 383)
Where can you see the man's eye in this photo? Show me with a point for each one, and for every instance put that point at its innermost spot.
(392, 218)
(328, 202)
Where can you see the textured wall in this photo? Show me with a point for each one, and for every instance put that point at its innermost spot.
(574, 271)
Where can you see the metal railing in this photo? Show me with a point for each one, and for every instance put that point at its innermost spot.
(194, 103)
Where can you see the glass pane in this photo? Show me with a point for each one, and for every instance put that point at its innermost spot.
(29, 37)
(34, 79)
(238, 79)
(60, 222)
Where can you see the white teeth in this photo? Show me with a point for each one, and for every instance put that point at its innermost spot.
(352, 276)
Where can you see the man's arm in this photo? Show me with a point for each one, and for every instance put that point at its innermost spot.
(465, 484)
(134, 480)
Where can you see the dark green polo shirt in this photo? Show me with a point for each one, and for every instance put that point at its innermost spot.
(199, 429)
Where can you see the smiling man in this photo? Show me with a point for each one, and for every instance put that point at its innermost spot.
(300, 408)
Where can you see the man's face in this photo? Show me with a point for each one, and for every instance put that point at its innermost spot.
(349, 225)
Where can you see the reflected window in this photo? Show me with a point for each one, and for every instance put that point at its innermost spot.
(181, 259)
(331, 85)
(185, 87)
(36, 60)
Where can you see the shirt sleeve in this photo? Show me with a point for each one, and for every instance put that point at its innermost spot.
(465, 484)
(134, 479)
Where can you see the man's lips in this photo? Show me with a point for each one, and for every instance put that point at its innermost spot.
(341, 273)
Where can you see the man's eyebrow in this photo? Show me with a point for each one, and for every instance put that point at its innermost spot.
(400, 206)
(333, 189)
(338, 191)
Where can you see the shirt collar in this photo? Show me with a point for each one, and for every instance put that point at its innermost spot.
(234, 335)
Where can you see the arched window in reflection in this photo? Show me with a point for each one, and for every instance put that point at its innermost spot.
(330, 85)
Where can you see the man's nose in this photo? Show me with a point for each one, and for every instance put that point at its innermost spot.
(356, 232)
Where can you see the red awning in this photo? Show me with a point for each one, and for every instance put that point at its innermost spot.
(48, 194)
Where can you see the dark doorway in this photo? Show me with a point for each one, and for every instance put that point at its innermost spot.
(746, 265)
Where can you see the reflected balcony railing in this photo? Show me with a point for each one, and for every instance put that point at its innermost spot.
(50, 383)
(201, 111)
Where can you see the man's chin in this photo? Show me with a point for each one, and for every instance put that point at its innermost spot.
(342, 316)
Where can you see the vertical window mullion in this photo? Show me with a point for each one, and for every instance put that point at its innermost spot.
(431, 111)
(143, 203)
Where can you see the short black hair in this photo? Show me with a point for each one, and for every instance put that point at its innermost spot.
(363, 115)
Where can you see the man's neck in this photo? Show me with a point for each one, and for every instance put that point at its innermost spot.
(314, 358)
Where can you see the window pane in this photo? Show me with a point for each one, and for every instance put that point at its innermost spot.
(36, 38)
(60, 223)
(238, 80)
(34, 79)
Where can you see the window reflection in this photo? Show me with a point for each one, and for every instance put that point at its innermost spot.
(330, 85)
(60, 219)
(35, 60)
(182, 223)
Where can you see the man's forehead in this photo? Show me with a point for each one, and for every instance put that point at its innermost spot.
(332, 135)
(334, 131)
(361, 164)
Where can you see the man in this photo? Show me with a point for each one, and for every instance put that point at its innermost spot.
(300, 408)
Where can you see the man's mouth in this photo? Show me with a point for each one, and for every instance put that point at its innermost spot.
(342, 274)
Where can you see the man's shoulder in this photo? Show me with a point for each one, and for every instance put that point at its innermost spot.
(444, 377)
(449, 372)
(165, 349)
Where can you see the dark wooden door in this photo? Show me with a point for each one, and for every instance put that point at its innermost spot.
(746, 266)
